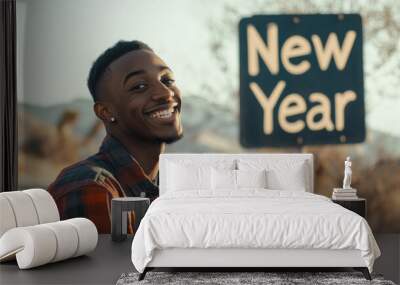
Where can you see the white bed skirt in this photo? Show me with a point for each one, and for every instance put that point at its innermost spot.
(193, 257)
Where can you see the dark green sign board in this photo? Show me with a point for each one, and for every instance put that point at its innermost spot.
(301, 80)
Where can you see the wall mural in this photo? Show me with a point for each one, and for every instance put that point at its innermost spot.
(57, 127)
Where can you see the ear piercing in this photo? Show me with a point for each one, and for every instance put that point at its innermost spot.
(112, 119)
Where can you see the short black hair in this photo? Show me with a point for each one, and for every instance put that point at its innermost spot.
(107, 57)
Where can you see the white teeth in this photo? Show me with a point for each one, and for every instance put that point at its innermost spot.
(162, 114)
(166, 113)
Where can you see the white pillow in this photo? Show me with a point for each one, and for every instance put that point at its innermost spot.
(294, 180)
(281, 174)
(227, 179)
(223, 179)
(251, 178)
(193, 174)
(183, 177)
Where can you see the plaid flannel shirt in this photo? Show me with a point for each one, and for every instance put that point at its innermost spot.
(85, 189)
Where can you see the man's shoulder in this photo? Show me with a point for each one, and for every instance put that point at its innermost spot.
(87, 171)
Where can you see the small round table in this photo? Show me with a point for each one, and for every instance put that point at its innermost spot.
(119, 214)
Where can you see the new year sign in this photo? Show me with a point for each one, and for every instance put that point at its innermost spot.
(301, 80)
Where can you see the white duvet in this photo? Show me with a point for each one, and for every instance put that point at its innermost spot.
(252, 218)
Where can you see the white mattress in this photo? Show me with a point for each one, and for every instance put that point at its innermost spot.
(255, 218)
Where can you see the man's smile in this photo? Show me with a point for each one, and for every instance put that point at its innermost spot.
(165, 113)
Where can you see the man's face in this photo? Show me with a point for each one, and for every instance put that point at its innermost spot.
(144, 99)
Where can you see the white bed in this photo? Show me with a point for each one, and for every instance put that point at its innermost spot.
(202, 220)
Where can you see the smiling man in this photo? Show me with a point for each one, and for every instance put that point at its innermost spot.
(135, 96)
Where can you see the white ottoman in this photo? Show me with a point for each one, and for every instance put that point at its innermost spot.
(31, 232)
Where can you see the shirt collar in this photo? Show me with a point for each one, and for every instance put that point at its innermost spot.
(120, 157)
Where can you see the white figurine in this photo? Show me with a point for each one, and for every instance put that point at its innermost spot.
(347, 174)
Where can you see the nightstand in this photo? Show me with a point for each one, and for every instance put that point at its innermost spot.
(358, 205)
(119, 213)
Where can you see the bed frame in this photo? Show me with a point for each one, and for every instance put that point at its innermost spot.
(242, 259)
